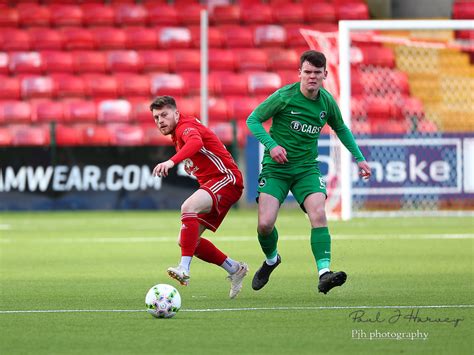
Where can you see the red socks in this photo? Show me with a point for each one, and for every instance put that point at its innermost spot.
(208, 252)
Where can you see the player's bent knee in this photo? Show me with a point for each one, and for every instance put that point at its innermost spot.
(265, 228)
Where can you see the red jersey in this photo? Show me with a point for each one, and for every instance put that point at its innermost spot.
(204, 155)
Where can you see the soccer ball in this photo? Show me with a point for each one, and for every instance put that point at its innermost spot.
(163, 301)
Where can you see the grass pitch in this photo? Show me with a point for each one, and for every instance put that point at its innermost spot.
(408, 279)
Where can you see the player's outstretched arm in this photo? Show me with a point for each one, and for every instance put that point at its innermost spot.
(161, 169)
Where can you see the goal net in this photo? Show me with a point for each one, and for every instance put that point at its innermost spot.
(406, 90)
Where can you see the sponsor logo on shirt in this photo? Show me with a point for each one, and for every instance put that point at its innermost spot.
(304, 127)
(322, 115)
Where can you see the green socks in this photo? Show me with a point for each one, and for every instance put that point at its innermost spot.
(268, 243)
(321, 247)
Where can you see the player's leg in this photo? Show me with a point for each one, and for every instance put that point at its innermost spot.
(199, 202)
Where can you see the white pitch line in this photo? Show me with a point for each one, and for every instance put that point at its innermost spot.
(5, 227)
(316, 308)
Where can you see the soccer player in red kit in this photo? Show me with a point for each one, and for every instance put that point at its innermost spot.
(221, 186)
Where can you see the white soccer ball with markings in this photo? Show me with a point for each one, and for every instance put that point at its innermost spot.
(163, 301)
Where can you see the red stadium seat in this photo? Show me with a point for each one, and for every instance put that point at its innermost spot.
(4, 59)
(189, 13)
(463, 10)
(124, 61)
(37, 87)
(316, 12)
(141, 38)
(381, 109)
(192, 81)
(251, 59)
(67, 85)
(26, 62)
(78, 110)
(412, 108)
(77, 38)
(155, 61)
(100, 86)
(294, 38)
(221, 59)
(109, 38)
(152, 136)
(9, 88)
(223, 130)
(162, 15)
(288, 13)
(288, 76)
(67, 135)
(12, 39)
(15, 111)
(66, 15)
(114, 111)
(381, 56)
(57, 61)
(186, 60)
(141, 110)
(215, 39)
(218, 109)
(45, 38)
(126, 135)
(225, 14)
(281, 59)
(95, 135)
(167, 84)
(47, 111)
(257, 13)
(9, 17)
(133, 85)
(89, 62)
(190, 106)
(174, 37)
(270, 36)
(32, 15)
(263, 83)
(130, 15)
(25, 135)
(230, 83)
(242, 106)
(237, 36)
(6, 137)
(98, 15)
(352, 11)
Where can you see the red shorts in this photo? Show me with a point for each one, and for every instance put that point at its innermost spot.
(224, 195)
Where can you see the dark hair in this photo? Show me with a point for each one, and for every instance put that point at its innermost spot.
(162, 101)
(316, 58)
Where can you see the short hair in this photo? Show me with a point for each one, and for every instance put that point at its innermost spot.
(316, 58)
(163, 101)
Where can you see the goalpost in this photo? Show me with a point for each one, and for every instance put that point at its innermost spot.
(406, 89)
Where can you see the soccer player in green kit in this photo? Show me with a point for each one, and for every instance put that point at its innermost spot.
(299, 112)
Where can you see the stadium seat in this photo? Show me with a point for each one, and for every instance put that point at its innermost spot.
(190, 106)
(185, 60)
(288, 13)
(263, 83)
(352, 11)
(225, 14)
(124, 61)
(98, 15)
(192, 81)
(77, 38)
(57, 61)
(218, 111)
(26, 62)
(67, 85)
(358, 108)
(251, 59)
(162, 15)
(45, 39)
(221, 59)
(174, 37)
(463, 10)
(130, 15)
(9, 17)
(270, 36)
(382, 109)
(4, 59)
(288, 76)
(155, 61)
(37, 87)
(167, 84)
(79, 110)
(188, 14)
(126, 135)
(93, 134)
(13, 39)
(26, 135)
(152, 136)
(33, 15)
(381, 56)
(215, 39)
(294, 38)
(9, 88)
(100, 85)
(229, 83)
(114, 111)
(412, 108)
(256, 13)
(132, 85)
(6, 138)
(66, 15)
(240, 107)
(109, 37)
(316, 12)
(223, 130)
(68, 135)
(89, 61)
(141, 110)
(47, 111)
(281, 59)
(15, 111)
(141, 38)
(235, 36)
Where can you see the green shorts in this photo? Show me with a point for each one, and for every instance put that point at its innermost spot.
(302, 182)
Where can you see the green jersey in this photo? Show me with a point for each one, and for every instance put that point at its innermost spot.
(297, 124)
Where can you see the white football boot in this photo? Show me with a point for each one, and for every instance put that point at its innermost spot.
(180, 274)
(236, 279)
